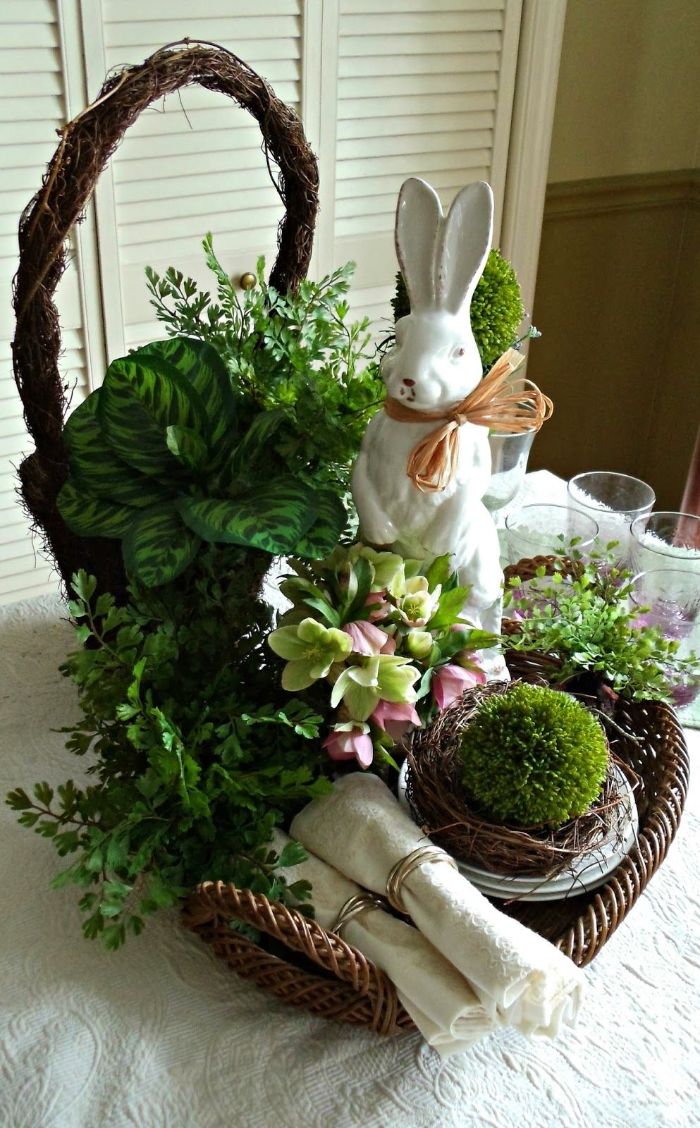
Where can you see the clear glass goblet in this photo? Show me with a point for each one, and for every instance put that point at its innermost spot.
(509, 455)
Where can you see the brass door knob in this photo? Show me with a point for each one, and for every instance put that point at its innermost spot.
(248, 281)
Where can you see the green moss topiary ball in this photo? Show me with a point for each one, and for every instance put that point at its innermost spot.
(496, 309)
(533, 755)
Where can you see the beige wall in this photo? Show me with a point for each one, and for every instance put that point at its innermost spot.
(629, 89)
(618, 288)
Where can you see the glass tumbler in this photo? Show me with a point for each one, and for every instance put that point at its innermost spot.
(666, 540)
(669, 598)
(548, 530)
(614, 501)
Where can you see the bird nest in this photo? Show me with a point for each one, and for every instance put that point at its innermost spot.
(442, 807)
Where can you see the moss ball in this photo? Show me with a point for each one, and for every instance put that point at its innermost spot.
(533, 756)
(496, 309)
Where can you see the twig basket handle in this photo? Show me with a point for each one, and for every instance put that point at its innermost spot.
(86, 144)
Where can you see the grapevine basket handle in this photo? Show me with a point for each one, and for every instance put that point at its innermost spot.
(86, 144)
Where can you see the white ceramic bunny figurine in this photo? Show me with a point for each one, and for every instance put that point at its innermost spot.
(433, 365)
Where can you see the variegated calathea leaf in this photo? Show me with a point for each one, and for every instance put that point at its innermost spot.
(205, 371)
(188, 447)
(157, 546)
(252, 446)
(140, 398)
(96, 469)
(330, 519)
(273, 518)
(91, 516)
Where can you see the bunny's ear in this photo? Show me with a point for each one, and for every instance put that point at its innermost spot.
(465, 240)
(418, 220)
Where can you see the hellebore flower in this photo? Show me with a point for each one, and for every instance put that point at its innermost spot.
(418, 605)
(419, 643)
(310, 649)
(396, 718)
(449, 683)
(366, 638)
(380, 608)
(381, 676)
(388, 568)
(350, 740)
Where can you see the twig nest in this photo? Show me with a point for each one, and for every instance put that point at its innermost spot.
(491, 775)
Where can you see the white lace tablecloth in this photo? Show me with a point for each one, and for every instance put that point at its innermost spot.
(162, 1035)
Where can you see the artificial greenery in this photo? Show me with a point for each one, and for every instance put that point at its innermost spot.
(496, 308)
(533, 756)
(192, 760)
(294, 355)
(587, 623)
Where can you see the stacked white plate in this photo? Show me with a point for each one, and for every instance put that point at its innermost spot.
(590, 869)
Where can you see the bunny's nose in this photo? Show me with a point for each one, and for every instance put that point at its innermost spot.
(409, 383)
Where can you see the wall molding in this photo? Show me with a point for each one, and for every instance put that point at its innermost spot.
(635, 192)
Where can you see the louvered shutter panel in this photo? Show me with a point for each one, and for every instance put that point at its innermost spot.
(192, 164)
(424, 88)
(32, 107)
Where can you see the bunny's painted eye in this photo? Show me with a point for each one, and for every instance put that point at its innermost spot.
(458, 352)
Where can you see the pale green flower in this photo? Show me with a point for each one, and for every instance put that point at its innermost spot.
(310, 649)
(380, 677)
(388, 568)
(419, 643)
(418, 605)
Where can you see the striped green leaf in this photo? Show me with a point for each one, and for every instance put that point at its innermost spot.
(91, 516)
(330, 519)
(205, 371)
(140, 398)
(273, 518)
(157, 546)
(187, 446)
(96, 469)
(254, 444)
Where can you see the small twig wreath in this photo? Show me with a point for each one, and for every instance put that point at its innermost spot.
(440, 805)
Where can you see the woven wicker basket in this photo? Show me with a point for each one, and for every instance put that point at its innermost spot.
(301, 963)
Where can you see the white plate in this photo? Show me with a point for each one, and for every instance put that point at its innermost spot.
(590, 870)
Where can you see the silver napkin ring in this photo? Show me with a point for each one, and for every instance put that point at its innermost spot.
(354, 907)
(406, 866)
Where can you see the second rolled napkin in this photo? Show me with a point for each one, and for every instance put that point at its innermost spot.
(440, 1002)
(518, 976)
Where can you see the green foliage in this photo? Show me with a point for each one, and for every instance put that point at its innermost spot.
(588, 623)
(496, 307)
(192, 763)
(533, 755)
(294, 356)
(163, 457)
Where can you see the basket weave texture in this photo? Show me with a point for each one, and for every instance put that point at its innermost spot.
(301, 963)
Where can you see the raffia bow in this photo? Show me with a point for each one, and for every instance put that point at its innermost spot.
(494, 403)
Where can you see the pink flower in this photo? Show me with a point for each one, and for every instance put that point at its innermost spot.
(379, 605)
(395, 717)
(450, 682)
(348, 741)
(367, 639)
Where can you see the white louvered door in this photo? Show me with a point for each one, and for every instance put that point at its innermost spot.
(193, 163)
(33, 104)
(425, 88)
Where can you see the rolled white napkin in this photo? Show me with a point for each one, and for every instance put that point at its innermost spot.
(519, 977)
(440, 1002)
